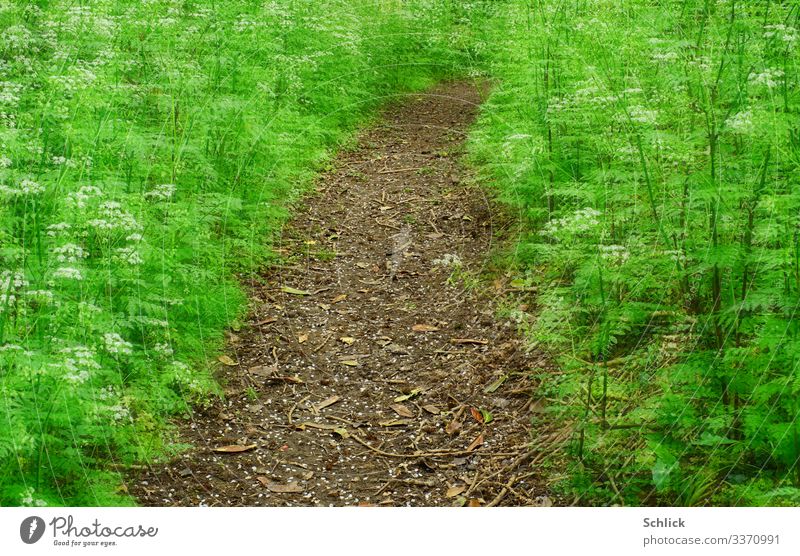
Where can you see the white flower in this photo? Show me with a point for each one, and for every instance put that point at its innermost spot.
(54, 230)
(582, 220)
(769, 77)
(163, 349)
(128, 255)
(69, 253)
(448, 259)
(642, 115)
(782, 33)
(30, 187)
(68, 273)
(115, 344)
(614, 253)
(741, 123)
(78, 199)
(162, 192)
(27, 499)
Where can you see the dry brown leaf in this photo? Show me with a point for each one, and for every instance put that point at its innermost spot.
(454, 491)
(235, 448)
(263, 370)
(263, 480)
(474, 503)
(468, 341)
(349, 363)
(324, 306)
(475, 443)
(347, 340)
(477, 415)
(432, 409)
(294, 291)
(393, 423)
(402, 410)
(288, 488)
(302, 338)
(453, 427)
(326, 402)
(424, 328)
(339, 298)
(226, 360)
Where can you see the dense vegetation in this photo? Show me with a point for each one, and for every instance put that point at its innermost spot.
(652, 151)
(148, 149)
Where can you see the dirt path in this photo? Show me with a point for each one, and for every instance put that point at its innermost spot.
(362, 375)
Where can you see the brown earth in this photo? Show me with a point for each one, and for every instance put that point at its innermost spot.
(373, 369)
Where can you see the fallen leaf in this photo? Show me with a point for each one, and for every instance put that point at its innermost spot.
(284, 378)
(459, 502)
(397, 349)
(362, 265)
(432, 409)
(475, 443)
(326, 402)
(263, 370)
(474, 503)
(453, 426)
(263, 480)
(393, 423)
(302, 338)
(477, 415)
(454, 491)
(226, 360)
(294, 291)
(415, 392)
(288, 488)
(468, 341)
(347, 340)
(349, 363)
(487, 416)
(339, 298)
(424, 328)
(324, 306)
(495, 385)
(402, 410)
(234, 448)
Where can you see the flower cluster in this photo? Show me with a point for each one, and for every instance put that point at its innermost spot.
(583, 220)
(116, 345)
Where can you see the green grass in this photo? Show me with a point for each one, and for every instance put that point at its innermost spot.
(148, 153)
(651, 152)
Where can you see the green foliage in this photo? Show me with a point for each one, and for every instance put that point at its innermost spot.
(148, 153)
(653, 149)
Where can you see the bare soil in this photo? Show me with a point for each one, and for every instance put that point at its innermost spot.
(373, 369)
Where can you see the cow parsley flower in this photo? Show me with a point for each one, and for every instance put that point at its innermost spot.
(162, 192)
(741, 123)
(69, 253)
(769, 77)
(115, 344)
(68, 273)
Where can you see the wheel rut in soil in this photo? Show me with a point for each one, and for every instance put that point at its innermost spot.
(369, 373)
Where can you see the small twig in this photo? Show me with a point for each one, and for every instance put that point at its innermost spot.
(398, 170)
(433, 453)
(503, 492)
(322, 344)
